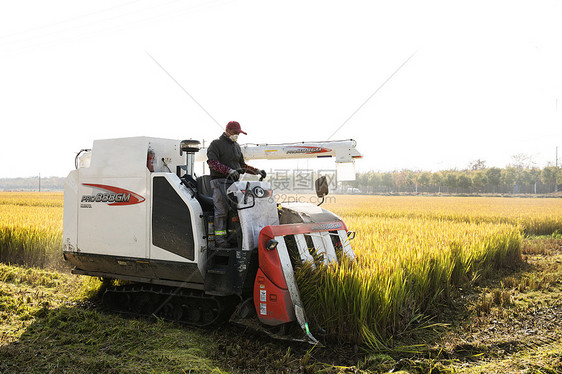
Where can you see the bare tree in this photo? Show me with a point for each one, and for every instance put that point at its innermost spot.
(522, 161)
(477, 165)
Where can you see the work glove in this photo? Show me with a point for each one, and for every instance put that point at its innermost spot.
(262, 173)
(234, 175)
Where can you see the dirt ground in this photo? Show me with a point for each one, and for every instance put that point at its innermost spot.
(513, 322)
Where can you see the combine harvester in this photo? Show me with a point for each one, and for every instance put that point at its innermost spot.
(135, 211)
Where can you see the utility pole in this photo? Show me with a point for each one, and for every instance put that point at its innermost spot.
(39, 182)
(557, 172)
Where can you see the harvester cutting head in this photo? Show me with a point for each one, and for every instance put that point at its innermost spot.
(286, 235)
(276, 295)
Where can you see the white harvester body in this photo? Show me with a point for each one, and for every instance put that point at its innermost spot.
(134, 210)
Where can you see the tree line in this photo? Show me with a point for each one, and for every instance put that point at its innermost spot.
(513, 179)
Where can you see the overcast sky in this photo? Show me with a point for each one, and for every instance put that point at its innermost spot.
(484, 80)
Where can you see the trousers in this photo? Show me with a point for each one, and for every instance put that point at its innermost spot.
(219, 187)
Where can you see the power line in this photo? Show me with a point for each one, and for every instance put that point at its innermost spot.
(79, 27)
(67, 20)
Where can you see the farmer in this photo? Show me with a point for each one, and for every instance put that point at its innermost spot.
(226, 163)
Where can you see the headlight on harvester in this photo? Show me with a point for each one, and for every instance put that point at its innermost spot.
(190, 146)
(271, 244)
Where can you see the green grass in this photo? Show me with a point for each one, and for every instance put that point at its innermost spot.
(74, 339)
(49, 325)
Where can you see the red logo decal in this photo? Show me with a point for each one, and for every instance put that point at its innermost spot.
(114, 196)
(307, 149)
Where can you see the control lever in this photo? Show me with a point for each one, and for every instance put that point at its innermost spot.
(246, 193)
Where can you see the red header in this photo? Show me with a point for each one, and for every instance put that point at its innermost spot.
(302, 228)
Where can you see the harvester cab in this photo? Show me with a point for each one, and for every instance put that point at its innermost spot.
(135, 211)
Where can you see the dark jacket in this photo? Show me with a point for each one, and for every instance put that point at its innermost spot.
(226, 152)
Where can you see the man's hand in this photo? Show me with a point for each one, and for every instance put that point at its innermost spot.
(262, 173)
(233, 174)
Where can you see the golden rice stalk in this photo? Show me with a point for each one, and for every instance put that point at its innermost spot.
(402, 266)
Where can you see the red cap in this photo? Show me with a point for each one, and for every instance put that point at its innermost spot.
(234, 127)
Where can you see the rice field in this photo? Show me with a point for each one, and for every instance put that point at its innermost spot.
(535, 216)
(31, 229)
(411, 253)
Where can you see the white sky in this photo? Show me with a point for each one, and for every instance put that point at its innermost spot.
(483, 82)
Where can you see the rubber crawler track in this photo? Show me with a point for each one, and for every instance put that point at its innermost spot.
(187, 306)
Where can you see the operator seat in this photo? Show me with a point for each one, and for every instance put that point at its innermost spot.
(205, 192)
